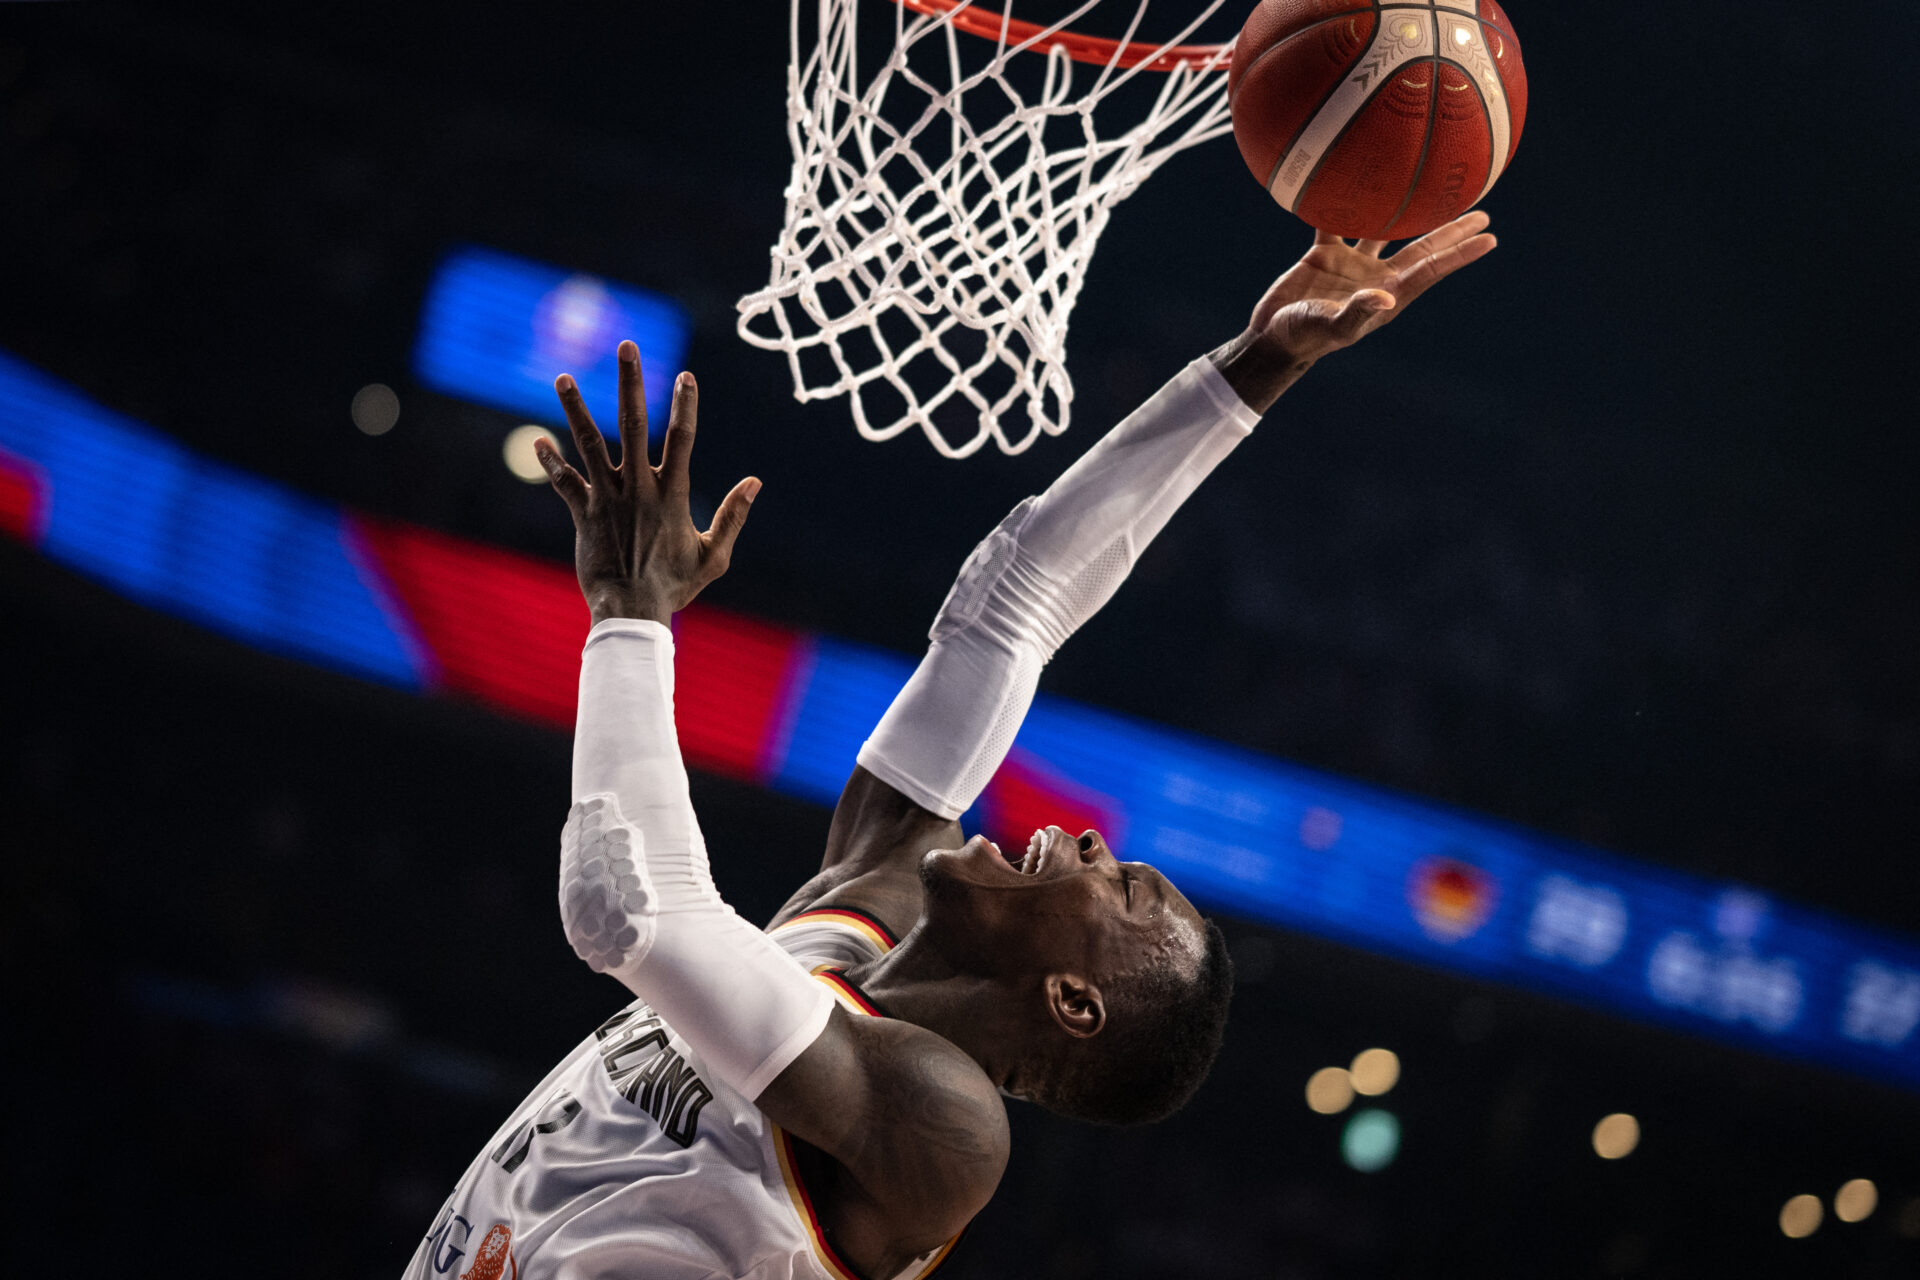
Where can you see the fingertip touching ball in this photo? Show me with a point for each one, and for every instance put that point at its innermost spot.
(1377, 120)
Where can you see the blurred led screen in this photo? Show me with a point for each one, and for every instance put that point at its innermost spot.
(1240, 832)
(497, 330)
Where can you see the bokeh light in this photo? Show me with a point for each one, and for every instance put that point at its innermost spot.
(1856, 1200)
(518, 451)
(375, 408)
(1320, 828)
(1615, 1137)
(1800, 1217)
(1375, 1071)
(1371, 1140)
(1330, 1090)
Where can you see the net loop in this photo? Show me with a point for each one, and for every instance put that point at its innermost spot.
(939, 221)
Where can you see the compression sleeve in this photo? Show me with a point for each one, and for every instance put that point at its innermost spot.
(636, 895)
(1048, 567)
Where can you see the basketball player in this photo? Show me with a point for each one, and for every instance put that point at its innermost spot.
(824, 1098)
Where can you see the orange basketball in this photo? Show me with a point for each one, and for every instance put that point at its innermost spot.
(1377, 120)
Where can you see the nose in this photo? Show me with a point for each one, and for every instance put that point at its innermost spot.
(1093, 847)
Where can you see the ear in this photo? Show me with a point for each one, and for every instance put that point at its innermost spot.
(1075, 1005)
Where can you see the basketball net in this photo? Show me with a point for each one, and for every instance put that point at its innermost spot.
(939, 221)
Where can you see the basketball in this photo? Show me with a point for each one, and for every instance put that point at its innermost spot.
(1377, 121)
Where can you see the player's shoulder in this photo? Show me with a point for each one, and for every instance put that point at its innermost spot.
(939, 1137)
(914, 1133)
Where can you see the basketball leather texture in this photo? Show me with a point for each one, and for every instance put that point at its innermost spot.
(1376, 119)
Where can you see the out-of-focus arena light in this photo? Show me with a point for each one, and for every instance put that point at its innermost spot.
(497, 330)
(1319, 828)
(375, 408)
(1615, 1137)
(519, 454)
(1800, 1217)
(139, 513)
(1375, 1071)
(1908, 1223)
(1856, 1200)
(1371, 1140)
(1330, 1090)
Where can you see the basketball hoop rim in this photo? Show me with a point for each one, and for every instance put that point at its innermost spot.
(1125, 55)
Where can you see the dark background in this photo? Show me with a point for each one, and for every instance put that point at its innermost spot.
(1613, 536)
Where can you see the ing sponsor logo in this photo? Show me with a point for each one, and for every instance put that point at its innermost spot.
(451, 1240)
(494, 1259)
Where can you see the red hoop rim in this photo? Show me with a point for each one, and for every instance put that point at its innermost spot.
(1098, 50)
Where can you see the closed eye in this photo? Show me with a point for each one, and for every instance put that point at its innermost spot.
(1127, 881)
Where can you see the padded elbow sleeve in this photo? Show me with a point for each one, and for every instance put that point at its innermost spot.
(607, 904)
(1048, 567)
(636, 896)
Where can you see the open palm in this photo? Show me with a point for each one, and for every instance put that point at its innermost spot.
(1340, 292)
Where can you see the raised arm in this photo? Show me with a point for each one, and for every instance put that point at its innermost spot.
(915, 1124)
(636, 895)
(1058, 557)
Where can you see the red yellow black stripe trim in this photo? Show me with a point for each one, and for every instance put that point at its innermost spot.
(848, 993)
(848, 916)
(855, 1000)
(816, 1238)
(933, 1264)
(803, 1205)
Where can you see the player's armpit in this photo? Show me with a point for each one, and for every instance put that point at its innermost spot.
(917, 1134)
(875, 824)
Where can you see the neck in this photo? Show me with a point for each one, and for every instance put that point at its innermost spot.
(916, 984)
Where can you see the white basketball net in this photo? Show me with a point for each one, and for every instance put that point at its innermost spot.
(939, 223)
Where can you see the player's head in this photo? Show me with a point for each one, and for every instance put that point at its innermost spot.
(1119, 987)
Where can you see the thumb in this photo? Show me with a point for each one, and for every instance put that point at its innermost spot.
(1313, 327)
(731, 517)
(1361, 310)
(565, 480)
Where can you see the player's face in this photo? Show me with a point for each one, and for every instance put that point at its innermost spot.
(1064, 904)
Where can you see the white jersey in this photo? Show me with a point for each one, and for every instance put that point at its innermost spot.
(631, 1161)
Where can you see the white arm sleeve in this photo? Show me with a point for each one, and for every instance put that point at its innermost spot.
(1046, 569)
(636, 895)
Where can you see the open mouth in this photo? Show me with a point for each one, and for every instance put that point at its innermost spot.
(1029, 861)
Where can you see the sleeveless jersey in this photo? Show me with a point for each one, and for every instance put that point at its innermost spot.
(629, 1160)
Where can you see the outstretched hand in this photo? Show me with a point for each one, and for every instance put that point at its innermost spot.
(635, 547)
(1336, 295)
